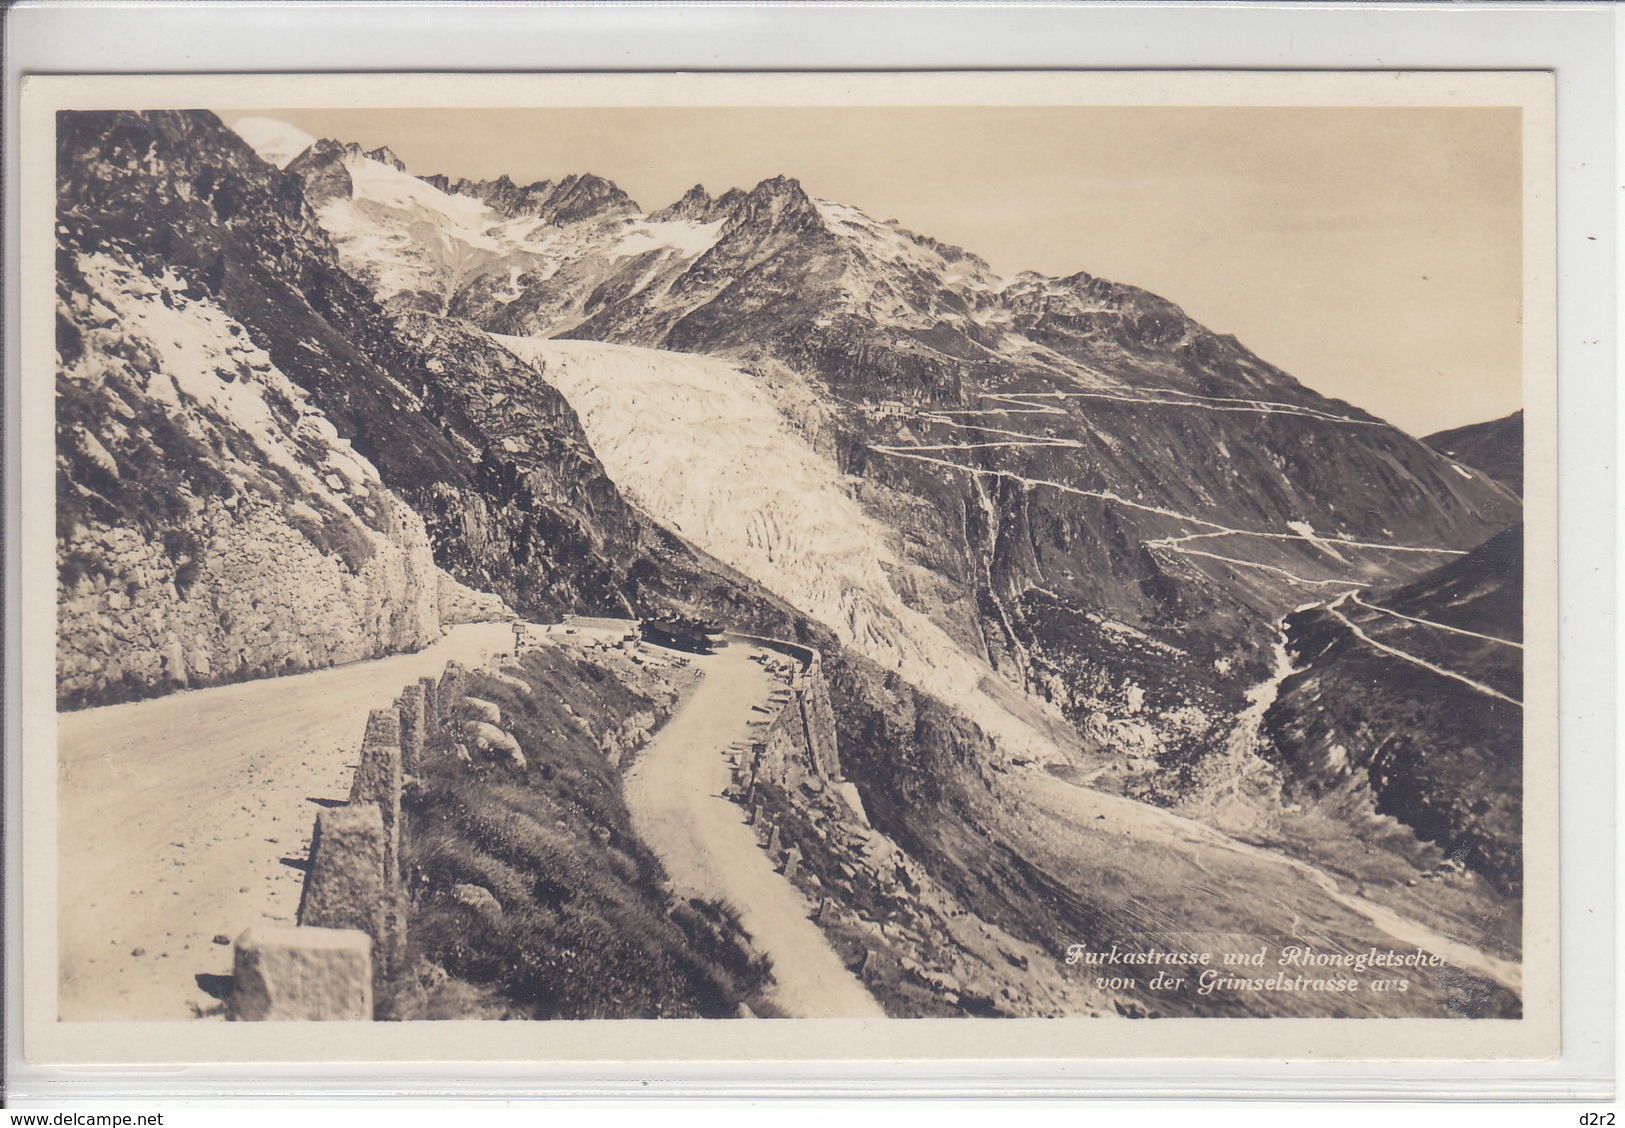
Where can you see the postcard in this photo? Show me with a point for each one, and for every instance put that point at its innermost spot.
(1054, 566)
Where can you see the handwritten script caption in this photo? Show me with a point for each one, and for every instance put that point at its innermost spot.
(1295, 968)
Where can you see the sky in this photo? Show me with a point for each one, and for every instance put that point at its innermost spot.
(1372, 252)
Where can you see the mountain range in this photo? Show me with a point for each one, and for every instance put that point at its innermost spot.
(1051, 532)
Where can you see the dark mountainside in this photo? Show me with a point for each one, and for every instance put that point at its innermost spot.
(491, 458)
(1065, 455)
(1355, 727)
(1495, 447)
(1167, 499)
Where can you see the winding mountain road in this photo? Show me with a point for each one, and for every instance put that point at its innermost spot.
(1446, 627)
(673, 793)
(174, 816)
(1333, 610)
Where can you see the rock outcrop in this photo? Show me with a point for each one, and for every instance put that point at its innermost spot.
(212, 524)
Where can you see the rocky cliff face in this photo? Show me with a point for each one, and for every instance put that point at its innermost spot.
(212, 524)
(489, 459)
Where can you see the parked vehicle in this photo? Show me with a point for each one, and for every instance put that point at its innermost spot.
(680, 633)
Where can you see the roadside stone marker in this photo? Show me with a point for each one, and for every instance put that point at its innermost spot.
(449, 696)
(383, 727)
(302, 975)
(431, 705)
(413, 727)
(344, 886)
(866, 966)
(378, 782)
(791, 861)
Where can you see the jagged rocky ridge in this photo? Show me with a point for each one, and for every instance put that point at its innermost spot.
(571, 200)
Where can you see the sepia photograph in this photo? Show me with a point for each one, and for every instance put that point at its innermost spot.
(815, 550)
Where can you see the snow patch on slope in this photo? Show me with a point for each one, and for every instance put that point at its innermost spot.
(206, 363)
(686, 237)
(699, 445)
(275, 141)
(402, 235)
(464, 217)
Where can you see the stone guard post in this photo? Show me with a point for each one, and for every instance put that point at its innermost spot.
(414, 727)
(351, 937)
(378, 782)
(302, 975)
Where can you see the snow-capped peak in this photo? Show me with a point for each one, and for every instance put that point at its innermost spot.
(275, 141)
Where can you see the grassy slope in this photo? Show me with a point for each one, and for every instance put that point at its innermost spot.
(585, 927)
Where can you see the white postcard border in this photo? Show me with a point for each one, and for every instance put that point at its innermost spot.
(1045, 1046)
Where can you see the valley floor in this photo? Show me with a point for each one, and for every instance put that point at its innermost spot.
(175, 815)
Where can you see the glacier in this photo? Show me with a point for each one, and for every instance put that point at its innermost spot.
(699, 444)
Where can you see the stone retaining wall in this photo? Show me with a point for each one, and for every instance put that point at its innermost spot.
(237, 593)
(800, 741)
